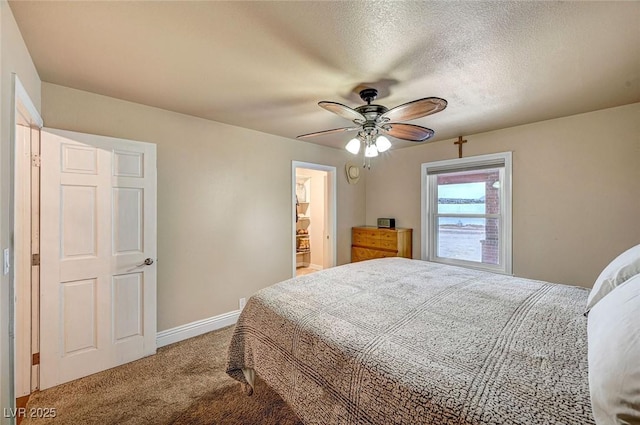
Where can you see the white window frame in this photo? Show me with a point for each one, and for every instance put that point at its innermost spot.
(428, 213)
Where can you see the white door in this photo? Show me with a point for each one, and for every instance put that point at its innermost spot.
(98, 226)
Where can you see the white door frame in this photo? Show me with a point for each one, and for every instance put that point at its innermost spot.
(330, 209)
(23, 113)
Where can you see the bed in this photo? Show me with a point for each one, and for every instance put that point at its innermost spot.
(399, 341)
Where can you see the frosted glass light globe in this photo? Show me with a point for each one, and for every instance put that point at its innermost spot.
(353, 146)
(383, 144)
(371, 151)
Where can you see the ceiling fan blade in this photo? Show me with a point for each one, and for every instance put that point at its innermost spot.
(410, 132)
(343, 110)
(416, 109)
(322, 133)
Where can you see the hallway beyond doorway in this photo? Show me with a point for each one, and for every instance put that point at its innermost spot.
(313, 235)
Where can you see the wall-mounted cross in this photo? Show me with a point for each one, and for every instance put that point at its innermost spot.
(459, 143)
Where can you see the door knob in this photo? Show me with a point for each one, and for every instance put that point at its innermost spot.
(147, 262)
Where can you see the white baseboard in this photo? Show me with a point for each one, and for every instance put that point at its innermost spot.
(196, 328)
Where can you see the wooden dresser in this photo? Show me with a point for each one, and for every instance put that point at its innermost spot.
(370, 242)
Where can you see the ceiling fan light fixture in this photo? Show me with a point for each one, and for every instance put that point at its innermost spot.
(371, 151)
(372, 120)
(383, 144)
(353, 146)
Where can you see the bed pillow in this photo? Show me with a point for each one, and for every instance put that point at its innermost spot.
(622, 268)
(614, 356)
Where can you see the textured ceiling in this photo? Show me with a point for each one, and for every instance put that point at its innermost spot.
(265, 65)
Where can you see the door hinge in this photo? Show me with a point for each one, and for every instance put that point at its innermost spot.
(35, 359)
(35, 259)
(35, 160)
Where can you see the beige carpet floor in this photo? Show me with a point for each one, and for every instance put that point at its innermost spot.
(184, 383)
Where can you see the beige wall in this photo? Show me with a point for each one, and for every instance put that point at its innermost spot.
(14, 58)
(576, 190)
(224, 199)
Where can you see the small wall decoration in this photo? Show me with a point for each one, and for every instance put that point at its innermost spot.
(459, 143)
(353, 173)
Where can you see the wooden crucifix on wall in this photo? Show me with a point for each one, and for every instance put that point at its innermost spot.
(459, 143)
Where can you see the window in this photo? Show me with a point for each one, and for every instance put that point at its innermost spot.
(466, 212)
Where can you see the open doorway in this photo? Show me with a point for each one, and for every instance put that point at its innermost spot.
(314, 217)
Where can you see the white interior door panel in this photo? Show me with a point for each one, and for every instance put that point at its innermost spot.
(98, 218)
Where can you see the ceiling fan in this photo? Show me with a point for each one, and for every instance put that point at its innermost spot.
(372, 122)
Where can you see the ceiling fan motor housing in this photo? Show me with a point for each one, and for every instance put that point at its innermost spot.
(372, 112)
